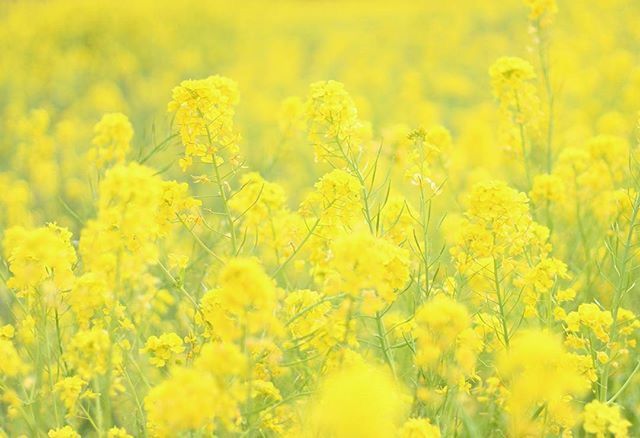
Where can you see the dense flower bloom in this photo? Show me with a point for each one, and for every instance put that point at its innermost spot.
(163, 348)
(602, 419)
(368, 267)
(37, 255)
(169, 405)
(204, 111)
(403, 259)
(332, 118)
(112, 139)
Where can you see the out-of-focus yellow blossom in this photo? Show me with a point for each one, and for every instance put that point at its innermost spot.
(12, 364)
(168, 404)
(360, 401)
(63, 432)
(512, 82)
(428, 158)
(131, 220)
(547, 188)
(15, 201)
(209, 360)
(118, 432)
(419, 428)
(509, 75)
(335, 201)
(602, 419)
(111, 140)
(542, 9)
(39, 254)
(90, 352)
(442, 327)
(333, 121)
(89, 295)
(538, 356)
(7, 331)
(243, 289)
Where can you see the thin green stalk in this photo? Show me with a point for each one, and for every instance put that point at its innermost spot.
(295, 251)
(625, 384)
(623, 279)
(543, 57)
(384, 345)
(503, 318)
(523, 145)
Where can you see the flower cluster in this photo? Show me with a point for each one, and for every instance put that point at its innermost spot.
(409, 247)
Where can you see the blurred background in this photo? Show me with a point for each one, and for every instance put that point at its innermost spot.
(407, 64)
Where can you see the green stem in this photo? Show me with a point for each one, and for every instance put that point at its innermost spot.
(503, 318)
(384, 345)
(617, 296)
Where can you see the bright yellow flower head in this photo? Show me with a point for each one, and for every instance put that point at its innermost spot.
(40, 254)
(361, 401)
(602, 419)
(204, 111)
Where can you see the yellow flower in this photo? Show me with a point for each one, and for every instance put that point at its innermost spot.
(419, 428)
(69, 390)
(333, 119)
(243, 304)
(204, 111)
(118, 432)
(15, 201)
(360, 262)
(169, 405)
(542, 9)
(360, 401)
(11, 364)
(602, 419)
(163, 348)
(111, 141)
(63, 432)
(547, 188)
(39, 254)
(538, 356)
(90, 352)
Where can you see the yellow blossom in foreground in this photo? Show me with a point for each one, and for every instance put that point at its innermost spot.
(169, 405)
(539, 356)
(361, 401)
(419, 428)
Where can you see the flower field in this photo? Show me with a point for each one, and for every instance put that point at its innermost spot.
(340, 219)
